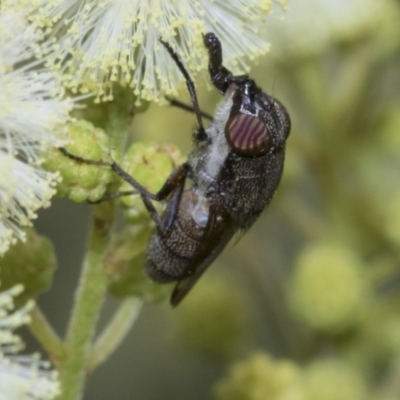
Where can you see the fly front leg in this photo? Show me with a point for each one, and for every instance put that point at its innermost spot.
(187, 107)
(189, 84)
(220, 76)
(174, 186)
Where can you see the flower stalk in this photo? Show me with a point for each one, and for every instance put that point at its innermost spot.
(45, 334)
(115, 331)
(88, 303)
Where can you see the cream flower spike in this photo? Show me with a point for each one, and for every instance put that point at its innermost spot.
(100, 42)
(33, 113)
(33, 117)
(23, 190)
(21, 377)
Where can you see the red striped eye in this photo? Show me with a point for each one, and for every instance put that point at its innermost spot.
(248, 135)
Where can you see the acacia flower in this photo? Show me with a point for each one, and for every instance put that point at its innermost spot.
(21, 377)
(100, 42)
(33, 117)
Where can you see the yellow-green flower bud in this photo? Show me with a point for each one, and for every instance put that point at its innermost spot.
(333, 379)
(214, 318)
(150, 164)
(260, 378)
(81, 181)
(126, 266)
(31, 263)
(328, 290)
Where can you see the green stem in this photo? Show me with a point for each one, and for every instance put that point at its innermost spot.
(89, 300)
(46, 336)
(115, 332)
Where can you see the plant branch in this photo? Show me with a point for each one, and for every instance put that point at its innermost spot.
(115, 332)
(46, 336)
(89, 300)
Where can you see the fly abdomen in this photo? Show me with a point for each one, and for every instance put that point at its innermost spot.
(170, 254)
(163, 264)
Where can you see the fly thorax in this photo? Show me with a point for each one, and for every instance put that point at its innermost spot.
(218, 148)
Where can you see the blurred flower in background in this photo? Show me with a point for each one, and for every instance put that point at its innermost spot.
(21, 377)
(33, 115)
(310, 26)
(97, 43)
(260, 377)
(329, 290)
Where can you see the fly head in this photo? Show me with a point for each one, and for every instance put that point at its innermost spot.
(257, 123)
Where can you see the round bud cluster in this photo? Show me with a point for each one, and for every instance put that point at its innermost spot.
(125, 267)
(150, 164)
(31, 263)
(81, 181)
(328, 290)
(259, 378)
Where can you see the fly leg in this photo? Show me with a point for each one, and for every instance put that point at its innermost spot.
(187, 107)
(101, 163)
(220, 76)
(198, 134)
(190, 86)
(173, 186)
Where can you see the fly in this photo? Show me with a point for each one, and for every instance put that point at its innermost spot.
(234, 169)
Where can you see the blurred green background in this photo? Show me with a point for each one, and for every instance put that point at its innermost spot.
(316, 280)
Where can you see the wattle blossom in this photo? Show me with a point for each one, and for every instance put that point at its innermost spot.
(33, 117)
(21, 377)
(100, 42)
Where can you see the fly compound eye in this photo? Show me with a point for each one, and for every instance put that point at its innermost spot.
(248, 135)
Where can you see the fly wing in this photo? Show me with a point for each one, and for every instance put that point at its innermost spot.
(218, 233)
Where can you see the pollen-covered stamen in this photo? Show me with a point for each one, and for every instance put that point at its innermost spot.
(21, 376)
(96, 43)
(34, 113)
(248, 135)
